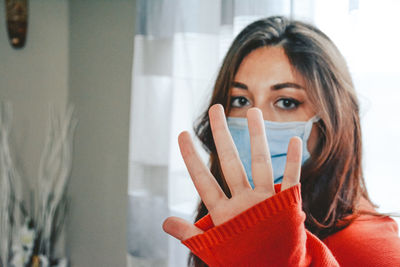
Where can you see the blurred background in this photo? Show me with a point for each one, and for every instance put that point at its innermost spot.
(138, 73)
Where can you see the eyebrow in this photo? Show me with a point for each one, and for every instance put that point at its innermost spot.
(277, 86)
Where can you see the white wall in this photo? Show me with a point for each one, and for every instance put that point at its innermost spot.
(34, 77)
(79, 52)
(101, 47)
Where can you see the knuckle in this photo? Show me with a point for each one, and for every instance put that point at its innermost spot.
(228, 155)
(260, 158)
(198, 174)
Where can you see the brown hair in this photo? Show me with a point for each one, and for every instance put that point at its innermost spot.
(331, 180)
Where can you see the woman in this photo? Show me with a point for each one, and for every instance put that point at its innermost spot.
(291, 84)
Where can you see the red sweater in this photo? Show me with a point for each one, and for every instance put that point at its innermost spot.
(272, 233)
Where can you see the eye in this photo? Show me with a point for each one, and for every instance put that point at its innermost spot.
(239, 101)
(287, 103)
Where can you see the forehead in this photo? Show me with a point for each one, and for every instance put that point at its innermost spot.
(269, 65)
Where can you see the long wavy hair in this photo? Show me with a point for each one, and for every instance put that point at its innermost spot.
(332, 181)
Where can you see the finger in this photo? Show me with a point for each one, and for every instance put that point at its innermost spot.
(261, 167)
(205, 183)
(291, 175)
(231, 165)
(180, 229)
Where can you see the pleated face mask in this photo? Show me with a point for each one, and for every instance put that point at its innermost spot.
(278, 137)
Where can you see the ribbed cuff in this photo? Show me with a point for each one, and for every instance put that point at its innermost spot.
(245, 220)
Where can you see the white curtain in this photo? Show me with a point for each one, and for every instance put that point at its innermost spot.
(179, 45)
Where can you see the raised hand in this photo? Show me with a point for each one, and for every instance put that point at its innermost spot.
(220, 207)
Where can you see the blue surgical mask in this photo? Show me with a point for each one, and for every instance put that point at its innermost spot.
(278, 137)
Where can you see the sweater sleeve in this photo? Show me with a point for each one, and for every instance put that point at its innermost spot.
(271, 233)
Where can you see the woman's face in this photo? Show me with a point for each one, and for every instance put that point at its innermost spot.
(266, 80)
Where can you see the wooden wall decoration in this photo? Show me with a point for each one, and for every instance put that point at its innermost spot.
(17, 22)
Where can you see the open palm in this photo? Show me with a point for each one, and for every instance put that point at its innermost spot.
(220, 207)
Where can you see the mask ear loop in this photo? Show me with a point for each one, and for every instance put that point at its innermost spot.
(308, 126)
(314, 119)
(307, 133)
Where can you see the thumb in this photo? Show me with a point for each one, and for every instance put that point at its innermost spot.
(180, 229)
